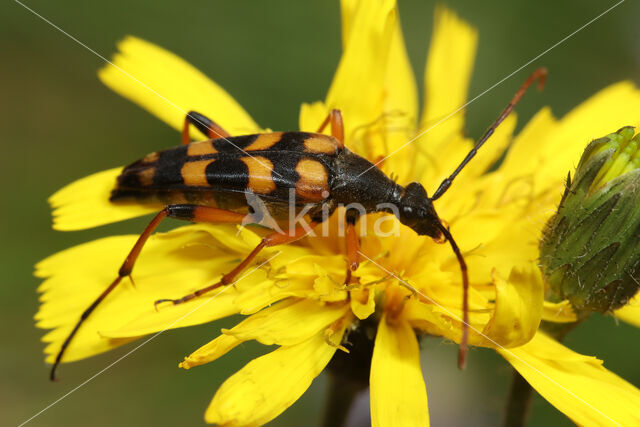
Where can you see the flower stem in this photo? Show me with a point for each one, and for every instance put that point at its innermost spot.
(348, 373)
(519, 402)
(520, 392)
(341, 394)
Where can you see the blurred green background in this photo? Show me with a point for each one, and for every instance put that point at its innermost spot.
(59, 123)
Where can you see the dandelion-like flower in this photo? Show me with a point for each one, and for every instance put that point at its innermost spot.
(298, 300)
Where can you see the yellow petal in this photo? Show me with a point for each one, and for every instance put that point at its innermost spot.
(268, 385)
(630, 313)
(173, 92)
(244, 240)
(279, 324)
(514, 243)
(435, 163)
(85, 203)
(211, 351)
(491, 152)
(312, 116)
(264, 294)
(513, 321)
(288, 323)
(399, 115)
(363, 302)
(518, 308)
(348, 9)
(211, 306)
(170, 265)
(296, 279)
(578, 385)
(530, 150)
(401, 93)
(326, 287)
(555, 151)
(395, 366)
(357, 87)
(383, 115)
(558, 312)
(485, 230)
(430, 320)
(318, 265)
(447, 74)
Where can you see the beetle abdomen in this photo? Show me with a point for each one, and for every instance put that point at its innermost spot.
(221, 172)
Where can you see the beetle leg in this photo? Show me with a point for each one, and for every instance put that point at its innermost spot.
(185, 212)
(353, 247)
(269, 240)
(205, 125)
(337, 126)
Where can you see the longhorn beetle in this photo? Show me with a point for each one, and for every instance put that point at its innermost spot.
(208, 181)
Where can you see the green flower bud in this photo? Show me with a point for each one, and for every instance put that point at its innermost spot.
(590, 249)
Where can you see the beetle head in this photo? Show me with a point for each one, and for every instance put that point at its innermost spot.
(418, 213)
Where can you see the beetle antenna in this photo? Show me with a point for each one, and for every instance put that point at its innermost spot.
(541, 75)
(462, 352)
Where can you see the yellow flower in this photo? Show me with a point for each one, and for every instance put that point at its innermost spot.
(297, 301)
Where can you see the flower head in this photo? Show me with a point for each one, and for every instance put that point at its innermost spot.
(406, 285)
(588, 252)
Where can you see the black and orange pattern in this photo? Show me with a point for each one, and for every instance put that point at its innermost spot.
(220, 172)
